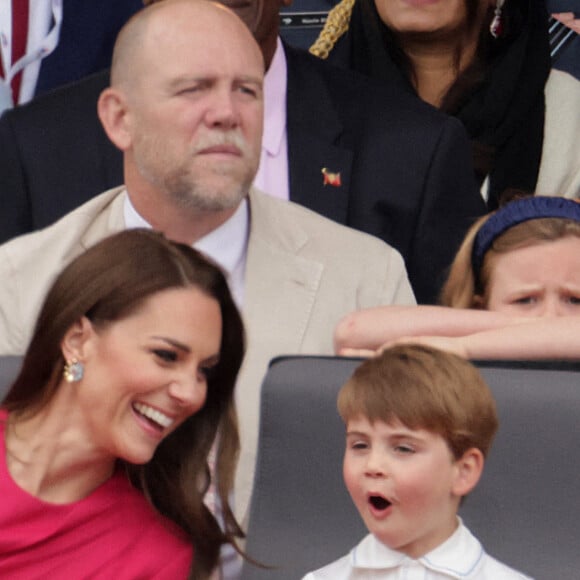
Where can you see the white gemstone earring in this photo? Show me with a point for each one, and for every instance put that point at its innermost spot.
(496, 26)
(73, 371)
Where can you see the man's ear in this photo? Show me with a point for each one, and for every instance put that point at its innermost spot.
(469, 468)
(113, 113)
(76, 341)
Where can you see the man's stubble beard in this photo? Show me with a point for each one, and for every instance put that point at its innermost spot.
(196, 193)
(199, 195)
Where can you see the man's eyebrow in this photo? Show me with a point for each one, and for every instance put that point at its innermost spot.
(208, 79)
(250, 79)
(184, 80)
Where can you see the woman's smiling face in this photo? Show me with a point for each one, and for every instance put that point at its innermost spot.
(147, 373)
(433, 18)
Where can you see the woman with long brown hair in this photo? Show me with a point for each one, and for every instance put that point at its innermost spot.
(108, 427)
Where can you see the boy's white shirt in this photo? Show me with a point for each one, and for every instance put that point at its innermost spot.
(461, 556)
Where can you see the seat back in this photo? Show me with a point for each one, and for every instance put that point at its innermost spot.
(525, 510)
(9, 367)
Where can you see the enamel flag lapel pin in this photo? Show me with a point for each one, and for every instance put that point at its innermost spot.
(331, 178)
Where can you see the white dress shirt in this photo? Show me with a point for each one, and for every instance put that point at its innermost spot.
(460, 557)
(227, 245)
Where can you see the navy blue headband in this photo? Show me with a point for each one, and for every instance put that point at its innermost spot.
(517, 212)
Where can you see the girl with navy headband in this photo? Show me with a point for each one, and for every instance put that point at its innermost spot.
(513, 291)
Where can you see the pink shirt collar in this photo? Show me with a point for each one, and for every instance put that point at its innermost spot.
(272, 176)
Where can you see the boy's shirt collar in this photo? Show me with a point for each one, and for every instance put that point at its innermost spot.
(457, 557)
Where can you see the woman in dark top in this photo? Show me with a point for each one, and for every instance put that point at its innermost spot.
(485, 63)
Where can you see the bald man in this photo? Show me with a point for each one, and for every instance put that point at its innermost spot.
(185, 108)
(375, 159)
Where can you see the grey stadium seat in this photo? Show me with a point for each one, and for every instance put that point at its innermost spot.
(9, 367)
(525, 510)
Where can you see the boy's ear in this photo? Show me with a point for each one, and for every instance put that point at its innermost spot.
(76, 340)
(469, 468)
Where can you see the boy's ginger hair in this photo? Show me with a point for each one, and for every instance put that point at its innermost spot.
(424, 388)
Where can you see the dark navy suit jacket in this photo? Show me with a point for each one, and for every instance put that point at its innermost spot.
(87, 35)
(405, 171)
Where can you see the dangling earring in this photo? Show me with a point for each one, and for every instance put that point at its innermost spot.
(496, 26)
(73, 371)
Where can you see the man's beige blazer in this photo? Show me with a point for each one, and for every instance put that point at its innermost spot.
(303, 273)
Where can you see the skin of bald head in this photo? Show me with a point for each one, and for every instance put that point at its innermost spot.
(186, 107)
(129, 42)
(262, 17)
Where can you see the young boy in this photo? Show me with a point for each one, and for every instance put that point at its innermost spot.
(419, 423)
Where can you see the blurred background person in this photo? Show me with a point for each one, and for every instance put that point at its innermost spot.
(486, 63)
(48, 43)
(565, 35)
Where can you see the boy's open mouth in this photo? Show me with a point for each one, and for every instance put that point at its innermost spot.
(379, 502)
